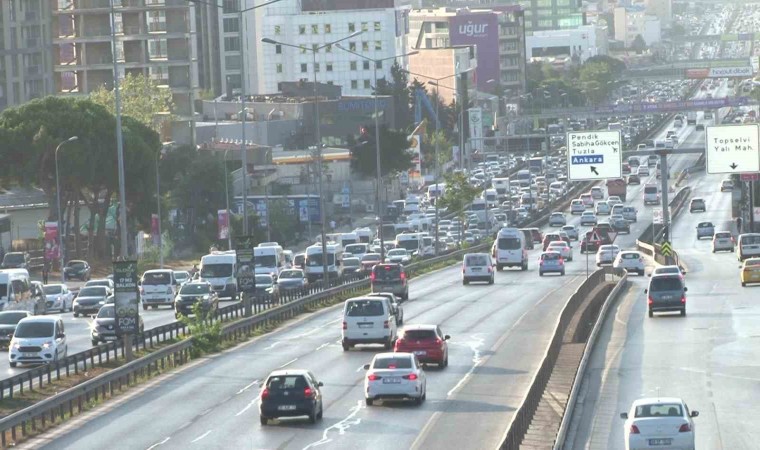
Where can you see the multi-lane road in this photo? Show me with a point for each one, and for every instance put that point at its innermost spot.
(499, 334)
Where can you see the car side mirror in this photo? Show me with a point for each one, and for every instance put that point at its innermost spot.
(139, 282)
(366, 367)
(694, 414)
(646, 291)
(685, 289)
(320, 384)
(446, 337)
(61, 335)
(623, 415)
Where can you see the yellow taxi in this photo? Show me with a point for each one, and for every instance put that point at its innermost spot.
(750, 271)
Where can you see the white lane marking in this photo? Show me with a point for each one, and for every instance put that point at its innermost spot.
(288, 363)
(475, 344)
(341, 426)
(275, 344)
(248, 406)
(360, 368)
(247, 387)
(718, 374)
(200, 437)
(323, 346)
(159, 443)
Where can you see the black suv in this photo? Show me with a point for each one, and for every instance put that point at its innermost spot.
(391, 278)
(291, 393)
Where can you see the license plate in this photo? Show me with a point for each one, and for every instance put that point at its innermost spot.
(287, 407)
(667, 297)
(660, 441)
(476, 269)
(28, 355)
(392, 380)
(420, 352)
(365, 325)
(110, 338)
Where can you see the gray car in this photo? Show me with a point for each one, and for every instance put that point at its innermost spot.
(390, 277)
(705, 230)
(666, 292)
(291, 279)
(90, 299)
(8, 322)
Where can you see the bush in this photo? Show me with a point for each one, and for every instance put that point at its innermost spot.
(206, 333)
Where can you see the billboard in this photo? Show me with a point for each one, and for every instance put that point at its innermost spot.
(414, 146)
(223, 222)
(720, 72)
(52, 252)
(476, 128)
(246, 278)
(481, 30)
(126, 298)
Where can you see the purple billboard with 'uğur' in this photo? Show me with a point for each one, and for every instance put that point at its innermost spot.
(481, 30)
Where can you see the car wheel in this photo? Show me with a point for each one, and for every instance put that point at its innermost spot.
(321, 412)
(418, 400)
(145, 307)
(13, 364)
(683, 312)
(313, 417)
(562, 273)
(491, 281)
(263, 420)
(368, 401)
(651, 313)
(540, 274)
(76, 314)
(744, 284)
(525, 267)
(465, 282)
(498, 267)
(388, 345)
(641, 273)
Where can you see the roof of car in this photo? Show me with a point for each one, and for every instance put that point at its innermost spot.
(656, 400)
(286, 372)
(41, 319)
(420, 327)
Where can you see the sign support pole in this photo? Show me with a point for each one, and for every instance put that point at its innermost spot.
(751, 206)
(665, 198)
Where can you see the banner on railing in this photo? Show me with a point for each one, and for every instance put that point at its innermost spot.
(246, 268)
(126, 296)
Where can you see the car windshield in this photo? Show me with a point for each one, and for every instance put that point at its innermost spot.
(509, 243)
(93, 291)
(399, 252)
(665, 284)
(351, 262)
(476, 260)
(409, 244)
(355, 249)
(216, 270)
(630, 256)
(52, 289)
(371, 257)
(291, 274)
(315, 260)
(265, 260)
(34, 330)
(550, 256)
(705, 225)
(104, 283)
(419, 334)
(181, 275)
(356, 308)
(107, 312)
(11, 318)
(752, 262)
(287, 383)
(156, 278)
(77, 265)
(194, 289)
(393, 363)
(264, 281)
(750, 240)
(650, 189)
(659, 410)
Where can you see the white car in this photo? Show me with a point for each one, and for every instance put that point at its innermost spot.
(606, 254)
(59, 297)
(659, 423)
(557, 219)
(643, 171)
(726, 186)
(614, 200)
(631, 261)
(588, 218)
(572, 232)
(477, 267)
(561, 247)
(723, 240)
(397, 255)
(38, 339)
(597, 192)
(395, 376)
(602, 208)
(577, 206)
(667, 270)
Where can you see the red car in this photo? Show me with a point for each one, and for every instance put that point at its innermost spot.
(427, 342)
(549, 237)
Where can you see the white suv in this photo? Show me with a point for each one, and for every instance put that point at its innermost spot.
(477, 267)
(630, 261)
(368, 320)
(38, 339)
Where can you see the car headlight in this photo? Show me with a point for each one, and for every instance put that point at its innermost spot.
(47, 344)
(102, 302)
(15, 344)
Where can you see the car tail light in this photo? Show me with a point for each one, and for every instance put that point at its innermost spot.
(683, 299)
(438, 341)
(385, 324)
(561, 261)
(400, 342)
(403, 277)
(634, 429)
(684, 428)
(308, 392)
(265, 394)
(345, 325)
(373, 377)
(650, 300)
(411, 376)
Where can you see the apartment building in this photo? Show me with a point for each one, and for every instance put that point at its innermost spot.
(153, 37)
(26, 67)
(545, 14)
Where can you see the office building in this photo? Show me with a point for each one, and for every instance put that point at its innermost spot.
(440, 62)
(633, 21)
(545, 14)
(579, 44)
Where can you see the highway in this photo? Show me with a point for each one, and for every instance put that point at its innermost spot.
(499, 334)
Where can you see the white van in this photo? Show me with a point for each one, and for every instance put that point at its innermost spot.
(491, 197)
(412, 242)
(501, 185)
(478, 206)
(509, 249)
(15, 289)
(314, 261)
(219, 269)
(38, 339)
(364, 234)
(269, 260)
(348, 239)
(651, 194)
(158, 288)
(368, 320)
(356, 250)
(748, 246)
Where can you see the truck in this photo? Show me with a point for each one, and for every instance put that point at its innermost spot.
(617, 186)
(691, 118)
(536, 165)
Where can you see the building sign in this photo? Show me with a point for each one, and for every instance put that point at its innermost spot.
(366, 106)
(481, 30)
(414, 147)
(476, 128)
(126, 296)
(720, 72)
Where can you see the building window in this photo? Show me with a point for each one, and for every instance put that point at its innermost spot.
(314, 47)
(353, 65)
(354, 84)
(157, 48)
(377, 26)
(301, 29)
(231, 25)
(365, 46)
(351, 27)
(365, 65)
(278, 67)
(278, 49)
(228, 7)
(378, 64)
(304, 68)
(364, 26)
(378, 45)
(329, 67)
(315, 28)
(232, 44)
(367, 85)
(277, 30)
(328, 49)
(352, 46)
(316, 67)
(328, 28)
(232, 62)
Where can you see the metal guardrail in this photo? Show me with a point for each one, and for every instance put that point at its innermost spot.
(590, 342)
(652, 248)
(523, 416)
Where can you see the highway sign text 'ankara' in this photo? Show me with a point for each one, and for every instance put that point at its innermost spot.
(594, 155)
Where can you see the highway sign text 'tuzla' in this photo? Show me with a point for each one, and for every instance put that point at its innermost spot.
(732, 148)
(594, 155)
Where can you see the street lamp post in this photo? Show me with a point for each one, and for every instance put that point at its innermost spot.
(60, 214)
(124, 249)
(227, 199)
(158, 205)
(314, 51)
(378, 175)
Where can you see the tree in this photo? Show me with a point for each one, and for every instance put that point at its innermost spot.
(282, 223)
(395, 155)
(677, 30)
(639, 45)
(397, 88)
(141, 98)
(428, 149)
(458, 193)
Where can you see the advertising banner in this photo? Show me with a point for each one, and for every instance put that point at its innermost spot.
(223, 224)
(414, 146)
(126, 296)
(154, 228)
(476, 129)
(720, 72)
(246, 266)
(52, 252)
(481, 30)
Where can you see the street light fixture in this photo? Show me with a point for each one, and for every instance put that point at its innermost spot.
(58, 197)
(375, 63)
(314, 51)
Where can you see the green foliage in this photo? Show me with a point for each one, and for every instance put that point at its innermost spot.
(282, 225)
(395, 155)
(141, 98)
(639, 45)
(444, 149)
(598, 75)
(402, 97)
(458, 194)
(206, 332)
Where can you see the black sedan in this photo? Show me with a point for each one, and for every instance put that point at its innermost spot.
(76, 269)
(104, 327)
(8, 322)
(192, 293)
(620, 225)
(91, 299)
